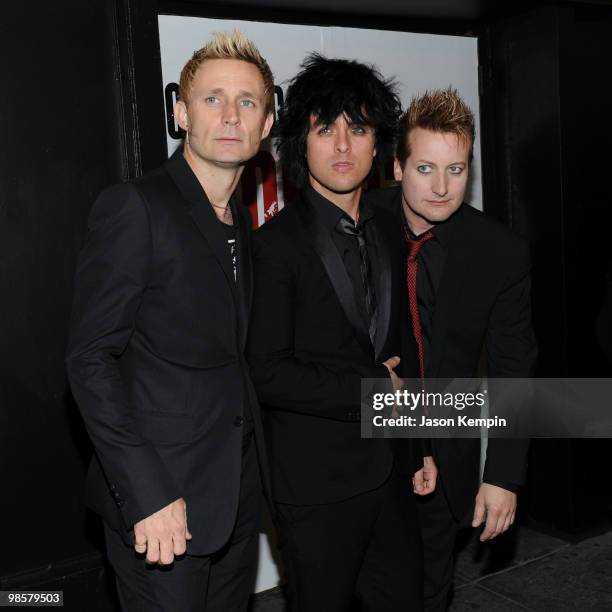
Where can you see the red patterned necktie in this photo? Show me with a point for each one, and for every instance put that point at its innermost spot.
(412, 264)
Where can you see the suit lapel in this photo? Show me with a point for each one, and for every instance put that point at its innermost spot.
(206, 221)
(332, 262)
(447, 295)
(381, 267)
(203, 215)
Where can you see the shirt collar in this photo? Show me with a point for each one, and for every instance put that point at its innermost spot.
(331, 214)
(442, 232)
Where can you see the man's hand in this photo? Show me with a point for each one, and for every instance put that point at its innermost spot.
(163, 535)
(499, 506)
(424, 481)
(391, 364)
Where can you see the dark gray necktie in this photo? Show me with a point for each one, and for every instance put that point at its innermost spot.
(347, 226)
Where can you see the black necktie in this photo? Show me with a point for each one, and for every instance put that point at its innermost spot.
(347, 226)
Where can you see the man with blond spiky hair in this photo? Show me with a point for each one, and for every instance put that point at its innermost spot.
(156, 352)
(468, 287)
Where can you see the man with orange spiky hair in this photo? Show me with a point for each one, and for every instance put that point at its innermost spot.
(471, 294)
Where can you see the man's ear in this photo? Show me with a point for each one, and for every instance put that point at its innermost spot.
(398, 173)
(180, 114)
(267, 125)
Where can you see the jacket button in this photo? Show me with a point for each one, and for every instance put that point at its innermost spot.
(238, 421)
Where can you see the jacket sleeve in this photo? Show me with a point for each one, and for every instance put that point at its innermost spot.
(110, 281)
(281, 379)
(511, 353)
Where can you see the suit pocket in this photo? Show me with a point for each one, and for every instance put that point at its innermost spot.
(166, 428)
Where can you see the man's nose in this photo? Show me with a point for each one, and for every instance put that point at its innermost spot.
(230, 114)
(440, 184)
(343, 143)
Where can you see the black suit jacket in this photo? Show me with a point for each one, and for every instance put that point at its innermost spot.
(155, 356)
(482, 303)
(309, 349)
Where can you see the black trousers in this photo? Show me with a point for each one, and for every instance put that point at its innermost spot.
(439, 532)
(221, 582)
(360, 553)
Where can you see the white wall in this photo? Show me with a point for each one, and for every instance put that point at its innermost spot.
(417, 61)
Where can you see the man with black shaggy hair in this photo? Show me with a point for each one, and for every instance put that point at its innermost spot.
(328, 310)
(327, 89)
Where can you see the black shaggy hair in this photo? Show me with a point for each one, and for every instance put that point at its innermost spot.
(328, 88)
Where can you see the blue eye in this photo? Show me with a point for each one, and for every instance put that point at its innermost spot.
(212, 100)
(424, 168)
(247, 103)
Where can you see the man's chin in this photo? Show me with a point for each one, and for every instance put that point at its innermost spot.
(343, 188)
(227, 160)
(229, 163)
(439, 216)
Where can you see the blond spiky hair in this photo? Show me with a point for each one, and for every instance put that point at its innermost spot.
(438, 110)
(227, 45)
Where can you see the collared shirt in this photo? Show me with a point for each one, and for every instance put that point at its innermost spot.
(431, 261)
(347, 245)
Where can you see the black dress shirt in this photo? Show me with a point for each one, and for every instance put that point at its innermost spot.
(347, 245)
(432, 258)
